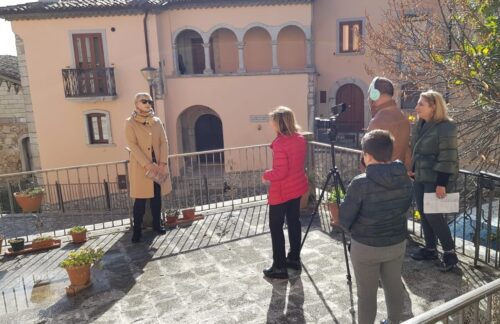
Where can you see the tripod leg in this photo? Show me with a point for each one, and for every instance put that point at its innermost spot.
(316, 208)
(339, 186)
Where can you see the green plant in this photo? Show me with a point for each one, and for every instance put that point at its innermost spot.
(33, 191)
(82, 257)
(16, 240)
(77, 229)
(43, 238)
(172, 212)
(332, 196)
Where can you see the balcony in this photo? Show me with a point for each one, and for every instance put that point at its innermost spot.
(211, 271)
(89, 84)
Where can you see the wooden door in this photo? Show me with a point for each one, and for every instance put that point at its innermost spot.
(352, 120)
(89, 59)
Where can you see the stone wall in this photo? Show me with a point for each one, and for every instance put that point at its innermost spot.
(13, 127)
(11, 133)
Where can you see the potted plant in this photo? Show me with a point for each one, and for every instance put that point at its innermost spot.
(172, 215)
(30, 199)
(188, 213)
(333, 206)
(17, 244)
(78, 264)
(78, 234)
(42, 242)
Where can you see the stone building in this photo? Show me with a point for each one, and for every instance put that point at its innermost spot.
(15, 147)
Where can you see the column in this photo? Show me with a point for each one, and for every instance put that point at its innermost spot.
(208, 64)
(309, 47)
(275, 68)
(241, 62)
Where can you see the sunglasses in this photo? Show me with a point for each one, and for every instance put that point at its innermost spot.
(146, 101)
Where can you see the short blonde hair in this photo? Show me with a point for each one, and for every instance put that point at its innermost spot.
(284, 119)
(436, 100)
(142, 94)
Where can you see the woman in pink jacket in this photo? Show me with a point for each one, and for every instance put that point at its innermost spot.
(288, 182)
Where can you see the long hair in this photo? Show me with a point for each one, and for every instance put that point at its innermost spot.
(436, 100)
(284, 119)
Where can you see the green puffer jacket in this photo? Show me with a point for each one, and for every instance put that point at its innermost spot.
(435, 150)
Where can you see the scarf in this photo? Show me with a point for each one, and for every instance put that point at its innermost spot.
(144, 118)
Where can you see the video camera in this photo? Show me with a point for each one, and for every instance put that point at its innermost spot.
(336, 110)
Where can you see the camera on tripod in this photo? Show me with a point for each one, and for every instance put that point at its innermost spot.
(326, 123)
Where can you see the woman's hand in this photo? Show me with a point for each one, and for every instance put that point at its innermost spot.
(151, 167)
(264, 181)
(440, 192)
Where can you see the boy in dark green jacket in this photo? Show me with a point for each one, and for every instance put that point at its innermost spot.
(374, 212)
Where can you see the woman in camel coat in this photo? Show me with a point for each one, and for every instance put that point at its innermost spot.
(147, 141)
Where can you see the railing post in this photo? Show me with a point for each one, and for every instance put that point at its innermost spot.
(106, 193)
(205, 184)
(59, 196)
(479, 211)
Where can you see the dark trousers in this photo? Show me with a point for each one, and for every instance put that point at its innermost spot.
(277, 214)
(140, 209)
(434, 225)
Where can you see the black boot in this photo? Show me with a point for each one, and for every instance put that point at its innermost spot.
(277, 273)
(137, 234)
(293, 264)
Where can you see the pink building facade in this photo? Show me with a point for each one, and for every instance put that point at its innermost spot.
(222, 67)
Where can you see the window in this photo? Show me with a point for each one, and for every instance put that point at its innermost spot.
(98, 127)
(322, 96)
(350, 33)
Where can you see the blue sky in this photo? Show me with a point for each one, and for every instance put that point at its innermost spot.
(7, 40)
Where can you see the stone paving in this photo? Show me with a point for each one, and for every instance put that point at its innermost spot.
(211, 272)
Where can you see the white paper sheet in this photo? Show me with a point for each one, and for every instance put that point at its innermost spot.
(434, 205)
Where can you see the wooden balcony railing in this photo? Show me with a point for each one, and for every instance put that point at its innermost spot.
(82, 83)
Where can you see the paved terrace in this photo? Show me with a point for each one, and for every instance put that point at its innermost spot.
(211, 272)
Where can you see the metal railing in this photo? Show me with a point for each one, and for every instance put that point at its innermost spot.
(476, 231)
(94, 82)
(98, 194)
(477, 306)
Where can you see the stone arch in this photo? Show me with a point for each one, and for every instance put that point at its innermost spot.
(190, 52)
(224, 50)
(292, 48)
(258, 50)
(186, 124)
(332, 95)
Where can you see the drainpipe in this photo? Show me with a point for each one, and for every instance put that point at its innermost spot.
(148, 62)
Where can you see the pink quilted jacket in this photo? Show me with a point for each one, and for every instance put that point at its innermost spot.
(288, 178)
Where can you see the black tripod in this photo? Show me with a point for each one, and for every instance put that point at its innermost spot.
(338, 187)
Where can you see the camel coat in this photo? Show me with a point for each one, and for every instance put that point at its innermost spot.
(142, 140)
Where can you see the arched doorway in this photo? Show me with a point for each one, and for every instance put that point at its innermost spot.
(208, 136)
(351, 120)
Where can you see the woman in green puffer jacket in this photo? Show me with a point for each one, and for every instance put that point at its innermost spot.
(435, 169)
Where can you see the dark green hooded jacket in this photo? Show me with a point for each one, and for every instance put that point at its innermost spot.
(375, 205)
(435, 150)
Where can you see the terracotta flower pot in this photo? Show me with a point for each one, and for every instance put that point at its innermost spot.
(42, 244)
(27, 203)
(188, 213)
(334, 213)
(79, 237)
(79, 276)
(172, 219)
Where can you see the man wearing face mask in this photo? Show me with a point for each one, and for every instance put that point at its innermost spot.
(387, 116)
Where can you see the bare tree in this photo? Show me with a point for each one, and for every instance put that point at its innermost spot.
(452, 46)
